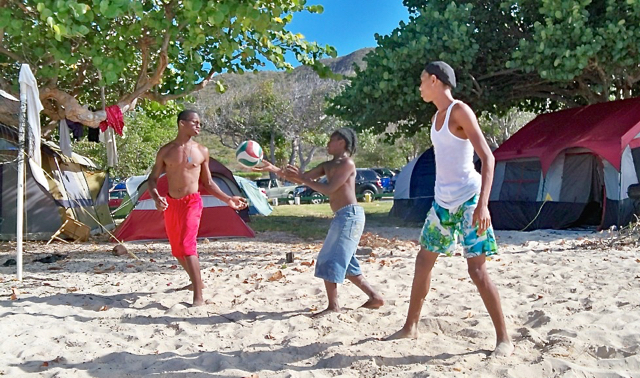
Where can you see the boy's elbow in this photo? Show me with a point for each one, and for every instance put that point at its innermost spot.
(489, 161)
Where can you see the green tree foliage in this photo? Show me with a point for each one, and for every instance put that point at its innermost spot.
(256, 112)
(529, 54)
(137, 149)
(302, 95)
(497, 129)
(375, 151)
(131, 49)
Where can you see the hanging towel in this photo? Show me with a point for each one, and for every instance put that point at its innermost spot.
(34, 107)
(112, 149)
(65, 138)
(114, 119)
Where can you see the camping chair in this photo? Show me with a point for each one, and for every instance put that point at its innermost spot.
(78, 231)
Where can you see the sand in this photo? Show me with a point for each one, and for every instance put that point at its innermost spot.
(571, 301)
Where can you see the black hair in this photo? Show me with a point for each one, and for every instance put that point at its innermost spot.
(350, 138)
(182, 116)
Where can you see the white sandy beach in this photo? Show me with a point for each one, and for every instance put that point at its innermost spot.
(572, 307)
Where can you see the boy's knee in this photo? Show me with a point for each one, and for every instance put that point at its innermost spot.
(478, 275)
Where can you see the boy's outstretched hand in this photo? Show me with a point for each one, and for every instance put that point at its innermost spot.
(293, 172)
(266, 167)
(237, 202)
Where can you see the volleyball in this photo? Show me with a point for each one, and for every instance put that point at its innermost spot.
(249, 153)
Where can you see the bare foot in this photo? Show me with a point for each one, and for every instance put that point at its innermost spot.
(503, 349)
(374, 303)
(198, 302)
(188, 287)
(404, 333)
(325, 312)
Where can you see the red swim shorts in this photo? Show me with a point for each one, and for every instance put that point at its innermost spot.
(182, 220)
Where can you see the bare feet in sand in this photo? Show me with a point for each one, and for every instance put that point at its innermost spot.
(188, 287)
(503, 349)
(197, 303)
(374, 303)
(404, 333)
(326, 312)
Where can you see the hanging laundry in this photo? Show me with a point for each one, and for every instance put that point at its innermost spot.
(65, 138)
(77, 129)
(112, 149)
(29, 86)
(114, 120)
(93, 135)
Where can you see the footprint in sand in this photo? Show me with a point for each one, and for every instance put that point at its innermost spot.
(563, 332)
(537, 319)
(176, 309)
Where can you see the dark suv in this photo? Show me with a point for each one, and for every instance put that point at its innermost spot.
(367, 181)
(309, 195)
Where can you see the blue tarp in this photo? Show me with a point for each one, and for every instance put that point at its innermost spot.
(258, 203)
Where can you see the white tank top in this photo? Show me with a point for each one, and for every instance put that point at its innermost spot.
(456, 178)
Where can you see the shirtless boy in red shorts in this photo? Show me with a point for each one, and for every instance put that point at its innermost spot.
(186, 164)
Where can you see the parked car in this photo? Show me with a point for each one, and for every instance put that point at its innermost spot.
(392, 183)
(116, 195)
(276, 189)
(386, 177)
(367, 182)
(309, 195)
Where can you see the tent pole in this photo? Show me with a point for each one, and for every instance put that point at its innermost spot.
(20, 189)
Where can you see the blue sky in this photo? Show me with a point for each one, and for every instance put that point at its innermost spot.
(347, 25)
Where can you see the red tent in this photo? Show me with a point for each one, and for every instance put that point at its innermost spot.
(218, 219)
(605, 128)
(569, 168)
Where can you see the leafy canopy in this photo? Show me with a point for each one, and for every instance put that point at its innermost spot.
(530, 54)
(160, 50)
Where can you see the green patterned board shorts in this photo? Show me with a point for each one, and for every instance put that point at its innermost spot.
(442, 227)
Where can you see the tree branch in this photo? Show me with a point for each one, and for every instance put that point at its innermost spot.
(72, 108)
(144, 48)
(162, 99)
(163, 62)
(25, 9)
(478, 89)
(11, 55)
(591, 96)
(631, 80)
(498, 73)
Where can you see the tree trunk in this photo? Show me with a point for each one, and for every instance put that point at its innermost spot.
(295, 148)
(304, 162)
(272, 152)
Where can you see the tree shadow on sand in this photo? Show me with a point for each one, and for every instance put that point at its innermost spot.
(207, 363)
(205, 315)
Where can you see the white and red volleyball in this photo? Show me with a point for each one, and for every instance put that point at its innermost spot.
(249, 153)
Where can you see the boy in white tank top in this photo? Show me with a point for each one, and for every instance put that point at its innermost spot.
(461, 202)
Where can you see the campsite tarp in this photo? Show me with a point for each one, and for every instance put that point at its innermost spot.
(414, 189)
(218, 219)
(569, 168)
(63, 187)
(258, 202)
(131, 197)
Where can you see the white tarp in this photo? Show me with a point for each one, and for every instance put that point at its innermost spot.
(34, 107)
(65, 138)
